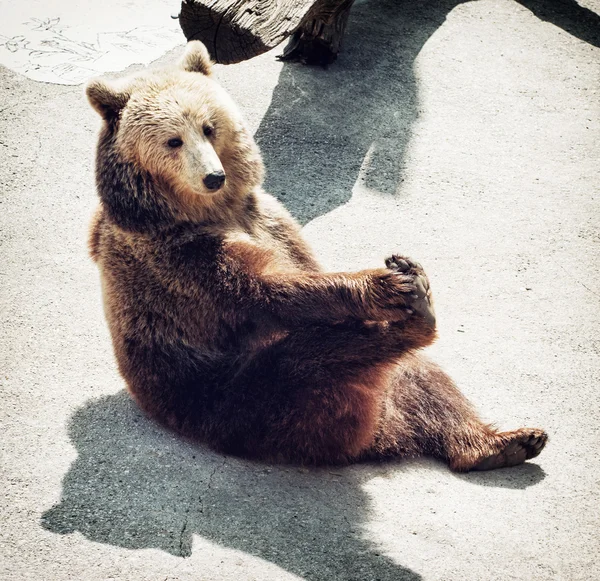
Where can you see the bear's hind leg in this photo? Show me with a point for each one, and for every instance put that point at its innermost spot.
(313, 396)
(424, 413)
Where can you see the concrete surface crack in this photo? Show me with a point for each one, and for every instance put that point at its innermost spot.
(210, 478)
(209, 485)
(589, 289)
(181, 538)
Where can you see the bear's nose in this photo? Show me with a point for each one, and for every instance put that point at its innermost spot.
(213, 181)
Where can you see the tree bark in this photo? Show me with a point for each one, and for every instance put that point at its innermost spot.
(318, 40)
(236, 30)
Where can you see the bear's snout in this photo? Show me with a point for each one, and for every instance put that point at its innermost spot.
(213, 181)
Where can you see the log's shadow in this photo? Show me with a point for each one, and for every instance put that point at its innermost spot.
(323, 126)
(135, 486)
(573, 18)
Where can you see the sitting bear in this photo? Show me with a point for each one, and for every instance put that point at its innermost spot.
(224, 326)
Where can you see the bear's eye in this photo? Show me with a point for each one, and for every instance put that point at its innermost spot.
(208, 130)
(175, 142)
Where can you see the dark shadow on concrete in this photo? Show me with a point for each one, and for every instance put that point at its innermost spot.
(136, 486)
(518, 477)
(322, 123)
(568, 15)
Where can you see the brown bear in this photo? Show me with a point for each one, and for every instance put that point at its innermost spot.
(224, 326)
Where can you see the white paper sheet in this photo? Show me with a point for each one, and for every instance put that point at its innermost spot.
(67, 42)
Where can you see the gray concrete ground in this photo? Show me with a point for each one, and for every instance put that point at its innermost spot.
(463, 134)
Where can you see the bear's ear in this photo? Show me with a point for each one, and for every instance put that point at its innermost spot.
(107, 97)
(196, 58)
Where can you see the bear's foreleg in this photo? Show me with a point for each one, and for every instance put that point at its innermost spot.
(298, 297)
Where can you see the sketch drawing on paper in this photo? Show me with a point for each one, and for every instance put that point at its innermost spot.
(51, 51)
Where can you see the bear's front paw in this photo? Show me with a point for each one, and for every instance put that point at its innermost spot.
(418, 300)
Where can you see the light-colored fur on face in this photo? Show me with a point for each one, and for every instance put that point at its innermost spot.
(185, 104)
(180, 107)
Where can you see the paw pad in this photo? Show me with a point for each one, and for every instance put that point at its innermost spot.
(419, 301)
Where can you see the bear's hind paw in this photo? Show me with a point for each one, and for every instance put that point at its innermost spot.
(519, 446)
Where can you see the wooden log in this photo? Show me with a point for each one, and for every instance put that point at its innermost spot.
(236, 30)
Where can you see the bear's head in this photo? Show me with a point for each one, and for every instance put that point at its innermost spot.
(173, 145)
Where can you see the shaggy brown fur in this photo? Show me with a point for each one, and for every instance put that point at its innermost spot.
(224, 326)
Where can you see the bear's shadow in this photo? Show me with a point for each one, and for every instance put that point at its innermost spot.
(133, 485)
(323, 126)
